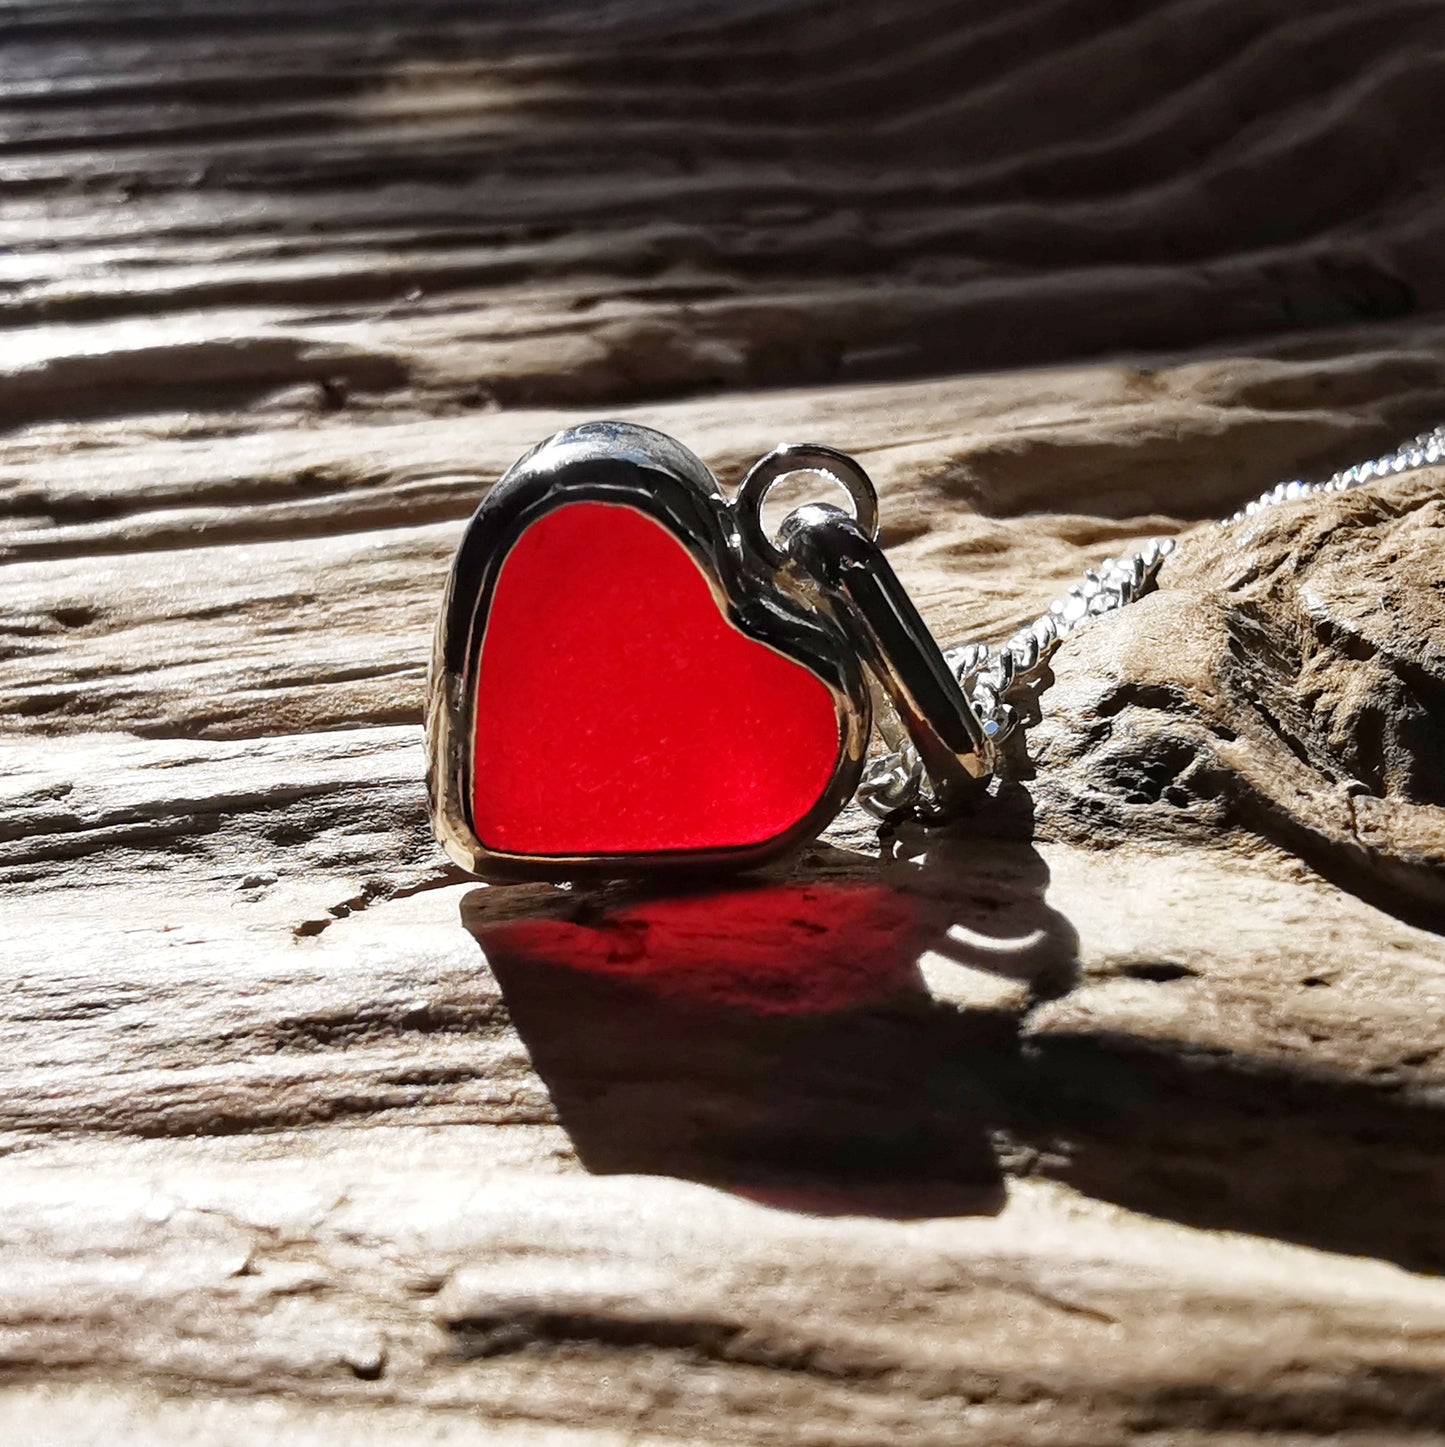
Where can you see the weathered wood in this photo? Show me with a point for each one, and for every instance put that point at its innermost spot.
(1111, 1114)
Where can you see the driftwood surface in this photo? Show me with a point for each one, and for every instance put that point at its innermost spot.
(1114, 1113)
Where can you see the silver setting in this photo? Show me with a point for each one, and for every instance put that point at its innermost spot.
(634, 466)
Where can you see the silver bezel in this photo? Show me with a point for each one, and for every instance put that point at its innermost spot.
(637, 467)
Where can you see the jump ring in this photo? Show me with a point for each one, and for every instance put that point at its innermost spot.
(800, 457)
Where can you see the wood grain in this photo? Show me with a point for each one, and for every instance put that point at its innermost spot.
(1111, 1114)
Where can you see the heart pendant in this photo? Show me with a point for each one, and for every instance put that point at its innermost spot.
(625, 679)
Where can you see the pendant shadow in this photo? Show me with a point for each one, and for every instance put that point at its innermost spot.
(783, 1039)
(852, 1039)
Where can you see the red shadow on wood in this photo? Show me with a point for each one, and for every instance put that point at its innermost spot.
(775, 1039)
(788, 949)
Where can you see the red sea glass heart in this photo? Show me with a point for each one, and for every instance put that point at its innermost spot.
(618, 711)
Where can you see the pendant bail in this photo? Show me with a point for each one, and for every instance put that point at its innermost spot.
(896, 647)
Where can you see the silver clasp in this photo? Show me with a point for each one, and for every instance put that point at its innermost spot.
(839, 556)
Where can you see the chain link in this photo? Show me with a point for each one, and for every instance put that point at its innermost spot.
(896, 780)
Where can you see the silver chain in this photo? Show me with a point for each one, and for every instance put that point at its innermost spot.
(896, 780)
